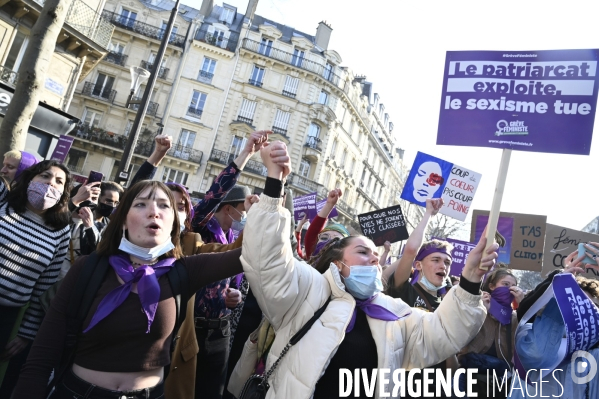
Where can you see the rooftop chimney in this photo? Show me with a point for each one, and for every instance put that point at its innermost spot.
(323, 35)
(206, 8)
(251, 10)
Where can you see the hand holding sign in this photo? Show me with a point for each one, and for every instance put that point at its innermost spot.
(479, 256)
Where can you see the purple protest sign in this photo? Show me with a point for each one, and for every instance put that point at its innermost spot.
(305, 206)
(505, 226)
(62, 148)
(460, 252)
(320, 205)
(540, 101)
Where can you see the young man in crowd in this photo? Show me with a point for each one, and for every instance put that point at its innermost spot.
(16, 162)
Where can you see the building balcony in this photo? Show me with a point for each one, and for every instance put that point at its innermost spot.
(288, 94)
(307, 186)
(256, 83)
(162, 72)
(8, 76)
(116, 58)
(244, 119)
(345, 208)
(205, 77)
(99, 92)
(226, 43)
(194, 112)
(367, 198)
(279, 130)
(298, 62)
(313, 149)
(225, 158)
(75, 169)
(152, 106)
(143, 29)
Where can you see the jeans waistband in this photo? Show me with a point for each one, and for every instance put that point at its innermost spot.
(87, 390)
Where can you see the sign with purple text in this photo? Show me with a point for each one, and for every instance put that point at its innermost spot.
(62, 148)
(540, 101)
(383, 225)
(524, 235)
(304, 206)
(431, 177)
(460, 252)
(320, 205)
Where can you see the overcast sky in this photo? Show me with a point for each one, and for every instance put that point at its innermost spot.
(400, 46)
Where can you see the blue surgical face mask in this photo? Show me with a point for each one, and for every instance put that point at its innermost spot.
(238, 225)
(363, 281)
(146, 254)
(428, 285)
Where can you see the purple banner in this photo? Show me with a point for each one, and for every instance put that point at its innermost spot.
(320, 205)
(305, 206)
(460, 252)
(540, 101)
(62, 148)
(505, 226)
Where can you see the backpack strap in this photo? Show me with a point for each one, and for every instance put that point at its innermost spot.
(422, 295)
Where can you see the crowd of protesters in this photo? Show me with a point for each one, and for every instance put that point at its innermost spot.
(190, 300)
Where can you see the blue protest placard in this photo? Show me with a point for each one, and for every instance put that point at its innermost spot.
(541, 101)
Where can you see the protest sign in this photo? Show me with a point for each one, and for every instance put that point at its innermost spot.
(431, 177)
(62, 148)
(320, 205)
(383, 225)
(541, 101)
(525, 243)
(304, 206)
(559, 243)
(460, 252)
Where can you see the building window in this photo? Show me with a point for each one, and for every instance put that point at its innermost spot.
(174, 176)
(103, 86)
(343, 156)
(186, 138)
(257, 76)
(351, 166)
(281, 122)
(323, 98)
(265, 47)
(163, 31)
(196, 107)
(291, 84)
(237, 145)
(352, 124)
(92, 117)
(207, 72)
(128, 17)
(328, 71)
(334, 149)
(15, 54)
(246, 112)
(313, 140)
(298, 58)
(326, 179)
(227, 15)
(304, 168)
(76, 160)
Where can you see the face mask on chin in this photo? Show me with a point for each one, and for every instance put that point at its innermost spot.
(146, 254)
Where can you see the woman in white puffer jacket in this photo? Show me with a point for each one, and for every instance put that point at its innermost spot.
(382, 333)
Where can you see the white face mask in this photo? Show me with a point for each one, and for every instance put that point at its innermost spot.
(146, 254)
(182, 218)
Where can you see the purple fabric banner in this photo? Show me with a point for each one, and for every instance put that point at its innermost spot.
(319, 206)
(540, 101)
(460, 252)
(305, 206)
(62, 148)
(505, 226)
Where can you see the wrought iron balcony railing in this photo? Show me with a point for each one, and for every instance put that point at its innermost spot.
(152, 106)
(218, 40)
(99, 91)
(144, 29)
(308, 185)
(299, 62)
(279, 130)
(116, 58)
(8, 76)
(225, 158)
(205, 77)
(243, 119)
(75, 169)
(193, 111)
(314, 143)
(162, 72)
(255, 82)
(288, 94)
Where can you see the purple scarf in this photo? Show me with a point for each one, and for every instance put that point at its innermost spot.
(372, 310)
(27, 160)
(148, 288)
(501, 305)
(219, 234)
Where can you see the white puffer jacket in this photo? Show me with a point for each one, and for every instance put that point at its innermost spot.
(289, 292)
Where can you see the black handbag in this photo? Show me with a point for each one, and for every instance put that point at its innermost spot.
(257, 386)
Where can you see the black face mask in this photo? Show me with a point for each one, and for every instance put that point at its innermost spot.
(105, 210)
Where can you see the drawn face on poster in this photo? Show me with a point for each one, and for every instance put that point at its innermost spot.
(427, 179)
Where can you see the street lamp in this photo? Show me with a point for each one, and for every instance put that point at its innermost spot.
(138, 76)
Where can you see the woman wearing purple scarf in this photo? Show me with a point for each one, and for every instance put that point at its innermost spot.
(126, 336)
(15, 162)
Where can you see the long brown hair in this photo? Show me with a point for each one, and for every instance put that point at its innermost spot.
(111, 239)
(56, 217)
(492, 278)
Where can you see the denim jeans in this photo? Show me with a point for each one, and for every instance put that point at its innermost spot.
(211, 368)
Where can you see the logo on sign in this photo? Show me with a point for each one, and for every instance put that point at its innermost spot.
(513, 128)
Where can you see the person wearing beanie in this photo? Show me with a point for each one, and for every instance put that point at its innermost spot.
(15, 162)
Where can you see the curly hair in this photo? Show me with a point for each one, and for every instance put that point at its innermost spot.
(500, 272)
(331, 252)
(589, 286)
(56, 217)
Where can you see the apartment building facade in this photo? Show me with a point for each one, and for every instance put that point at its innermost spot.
(82, 42)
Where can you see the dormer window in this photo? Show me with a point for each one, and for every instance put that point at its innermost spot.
(227, 15)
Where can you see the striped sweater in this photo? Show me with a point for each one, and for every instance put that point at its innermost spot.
(31, 255)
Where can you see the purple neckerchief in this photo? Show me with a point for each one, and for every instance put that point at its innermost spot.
(219, 234)
(372, 310)
(501, 305)
(148, 288)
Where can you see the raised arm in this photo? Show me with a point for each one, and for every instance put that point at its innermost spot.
(385, 255)
(148, 168)
(320, 220)
(404, 264)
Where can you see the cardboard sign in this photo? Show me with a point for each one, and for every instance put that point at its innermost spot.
(383, 225)
(460, 252)
(541, 101)
(505, 226)
(62, 148)
(561, 242)
(320, 205)
(304, 206)
(431, 177)
(527, 238)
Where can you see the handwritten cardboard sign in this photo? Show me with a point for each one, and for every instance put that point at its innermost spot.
(383, 225)
(527, 239)
(559, 243)
(304, 206)
(432, 177)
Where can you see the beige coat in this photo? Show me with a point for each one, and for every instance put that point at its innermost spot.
(290, 291)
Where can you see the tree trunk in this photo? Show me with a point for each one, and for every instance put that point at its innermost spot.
(32, 75)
